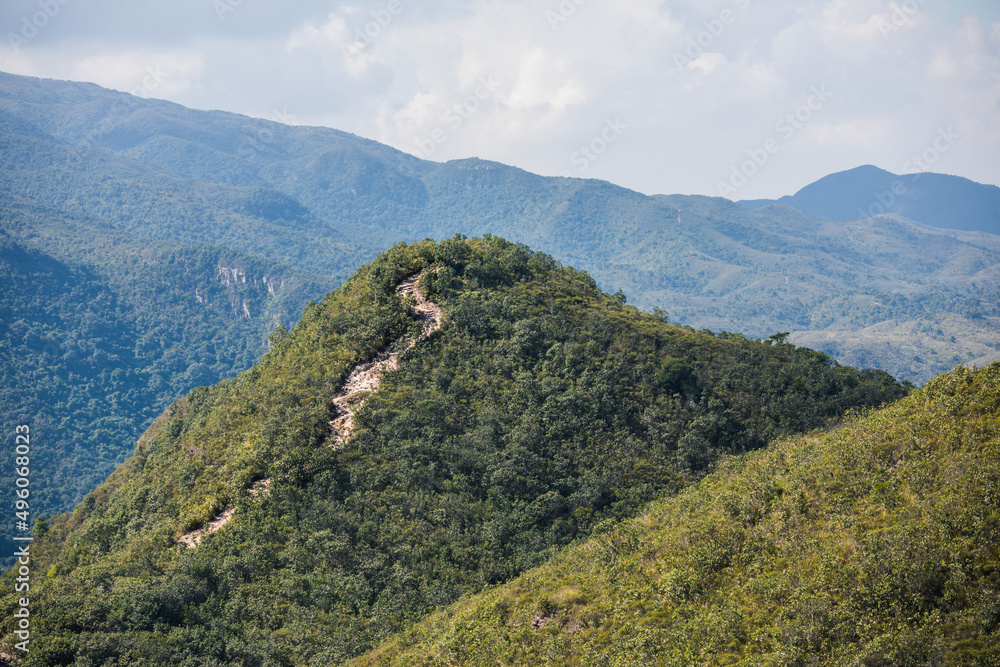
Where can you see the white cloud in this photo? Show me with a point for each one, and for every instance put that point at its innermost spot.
(542, 82)
(708, 62)
(558, 83)
(333, 32)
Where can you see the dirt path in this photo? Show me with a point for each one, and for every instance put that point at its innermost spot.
(193, 538)
(366, 377)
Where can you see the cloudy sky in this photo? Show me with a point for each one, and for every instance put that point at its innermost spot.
(745, 98)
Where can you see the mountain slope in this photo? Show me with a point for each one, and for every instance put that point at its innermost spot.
(540, 408)
(99, 333)
(938, 200)
(874, 544)
(324, 201)
(102, 181)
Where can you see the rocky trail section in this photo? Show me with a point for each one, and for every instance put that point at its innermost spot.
(193, 538)
(365, 378)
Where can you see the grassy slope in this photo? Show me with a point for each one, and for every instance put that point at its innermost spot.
(875, 544)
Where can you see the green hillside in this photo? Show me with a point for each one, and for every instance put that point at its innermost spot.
(99, 333)
(875, 544)
(325, 201)
(542, 408)
(124, 221)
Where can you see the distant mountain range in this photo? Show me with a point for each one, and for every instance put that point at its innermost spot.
(202, 231)
(938, 200)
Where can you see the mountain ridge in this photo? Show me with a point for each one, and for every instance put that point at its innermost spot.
(91, 162)
(540, 408)
(874, 543)
(938, 200)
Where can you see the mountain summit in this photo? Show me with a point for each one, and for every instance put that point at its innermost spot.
(938, 200)
(251, 526)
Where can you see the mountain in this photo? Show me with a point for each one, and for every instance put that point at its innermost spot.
(102, 183)
(873, 544)
(451, 417)
(99, 333)
(325, 201)
(937, 200)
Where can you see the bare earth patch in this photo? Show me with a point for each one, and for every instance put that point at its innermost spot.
(365, 378)
(193, 538)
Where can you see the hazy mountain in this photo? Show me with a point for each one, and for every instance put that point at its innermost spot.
(325, 201)
(938, 200)
(246, 530)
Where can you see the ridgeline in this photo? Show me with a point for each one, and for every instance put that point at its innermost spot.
(876, 544)
(541, 409)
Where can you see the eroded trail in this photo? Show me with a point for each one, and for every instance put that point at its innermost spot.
(193, 538)
(365, 378)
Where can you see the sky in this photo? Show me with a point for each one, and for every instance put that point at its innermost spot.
(738, 98)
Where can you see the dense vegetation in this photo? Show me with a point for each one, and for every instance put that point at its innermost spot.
(122, 210)
(876, 544)
(99, 333)
(541, 409)
(326, 201)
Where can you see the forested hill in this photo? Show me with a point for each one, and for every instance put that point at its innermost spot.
(540, 409)
(99, 332)
(875, 544)
(121, 214)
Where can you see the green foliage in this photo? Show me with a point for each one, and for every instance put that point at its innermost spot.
(876, 543)
(536, 413)
(99, 333)
(325, 201)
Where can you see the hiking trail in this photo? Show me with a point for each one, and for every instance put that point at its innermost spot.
(363, 379)
(367, 377)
